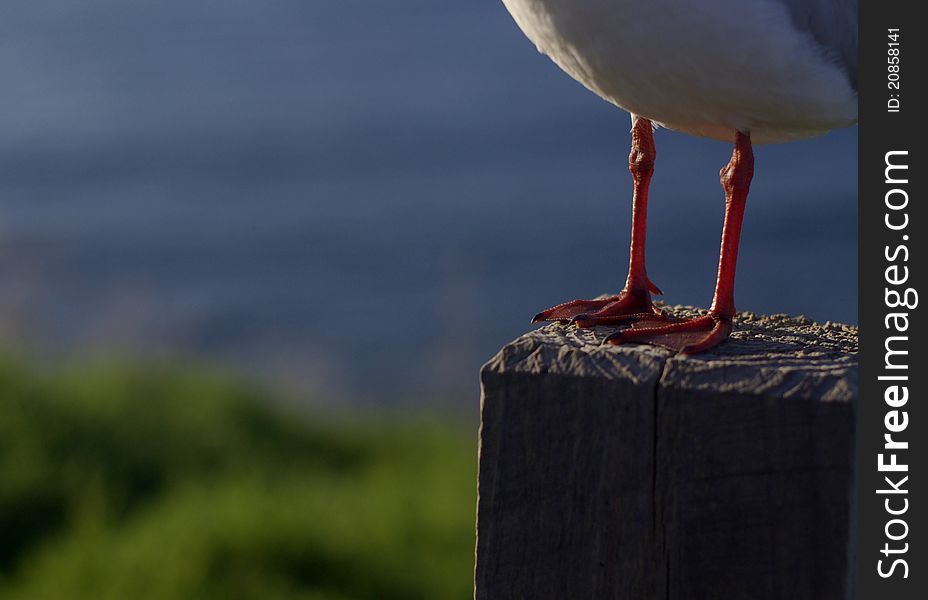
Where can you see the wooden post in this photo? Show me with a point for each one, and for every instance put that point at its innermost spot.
(631, 473)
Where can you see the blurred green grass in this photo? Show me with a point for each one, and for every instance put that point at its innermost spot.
(153, 483)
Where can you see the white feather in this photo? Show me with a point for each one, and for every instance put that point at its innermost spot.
(707, 67)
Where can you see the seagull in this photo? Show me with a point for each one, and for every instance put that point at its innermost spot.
(741, 71)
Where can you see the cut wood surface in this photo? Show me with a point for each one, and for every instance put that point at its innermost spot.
(630, 472)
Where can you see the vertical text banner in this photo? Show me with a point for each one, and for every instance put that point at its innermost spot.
(890, 546)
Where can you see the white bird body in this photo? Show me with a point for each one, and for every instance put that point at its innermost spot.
(706, 67)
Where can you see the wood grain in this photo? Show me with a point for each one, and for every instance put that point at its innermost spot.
(631, 473)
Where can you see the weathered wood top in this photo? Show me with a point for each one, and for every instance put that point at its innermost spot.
(767, 355)
(629, 472)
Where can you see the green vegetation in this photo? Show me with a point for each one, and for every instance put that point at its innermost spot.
(149, 484)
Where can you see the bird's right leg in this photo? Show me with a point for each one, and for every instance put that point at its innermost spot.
(635, 299)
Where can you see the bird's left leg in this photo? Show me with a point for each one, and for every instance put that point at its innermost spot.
(635, 299)
(697, 335)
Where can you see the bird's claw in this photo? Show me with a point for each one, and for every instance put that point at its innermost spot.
(612, 310)
(690, 336)
(569, 310)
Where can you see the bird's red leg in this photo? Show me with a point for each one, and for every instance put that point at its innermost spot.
(700, 334)
(635, 299)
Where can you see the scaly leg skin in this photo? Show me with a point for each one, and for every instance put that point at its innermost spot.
(692, 336)
(635, 300)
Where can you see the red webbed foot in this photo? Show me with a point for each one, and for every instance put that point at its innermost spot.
(605, 311)
(689, 336)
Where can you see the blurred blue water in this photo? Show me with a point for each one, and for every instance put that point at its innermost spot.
(364, 199)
